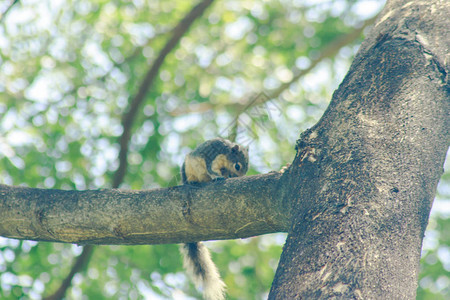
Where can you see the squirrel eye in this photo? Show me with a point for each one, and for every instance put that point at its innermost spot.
(237, 166)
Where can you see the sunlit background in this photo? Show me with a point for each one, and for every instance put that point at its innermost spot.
(259, 72)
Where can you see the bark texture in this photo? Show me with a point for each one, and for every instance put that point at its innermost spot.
(373, 162)
(229, 209)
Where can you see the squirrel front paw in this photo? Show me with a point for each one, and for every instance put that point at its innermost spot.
(218, 179)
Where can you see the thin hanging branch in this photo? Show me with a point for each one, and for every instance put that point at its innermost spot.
(80, 263)
(129, 116)
(127, 122)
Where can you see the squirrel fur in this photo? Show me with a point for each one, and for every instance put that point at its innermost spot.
(212, 160)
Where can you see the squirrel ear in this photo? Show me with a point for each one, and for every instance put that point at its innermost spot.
(235, 148)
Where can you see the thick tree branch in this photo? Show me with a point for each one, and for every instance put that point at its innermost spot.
(228, 209)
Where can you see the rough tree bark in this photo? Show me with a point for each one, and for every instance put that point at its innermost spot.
(355, 201)
(372, 163)
(229, 209)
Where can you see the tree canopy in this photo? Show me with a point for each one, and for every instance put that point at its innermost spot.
(72, 71)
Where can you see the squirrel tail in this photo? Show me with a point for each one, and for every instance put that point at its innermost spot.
(197, 261)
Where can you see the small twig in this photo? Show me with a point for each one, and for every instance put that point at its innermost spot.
(7, 10)
(330, 50)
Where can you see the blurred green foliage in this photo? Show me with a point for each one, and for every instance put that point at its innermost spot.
(67, 72)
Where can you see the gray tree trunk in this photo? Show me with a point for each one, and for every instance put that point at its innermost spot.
(372, 165)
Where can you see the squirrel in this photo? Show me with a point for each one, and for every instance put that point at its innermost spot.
(214, 159)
